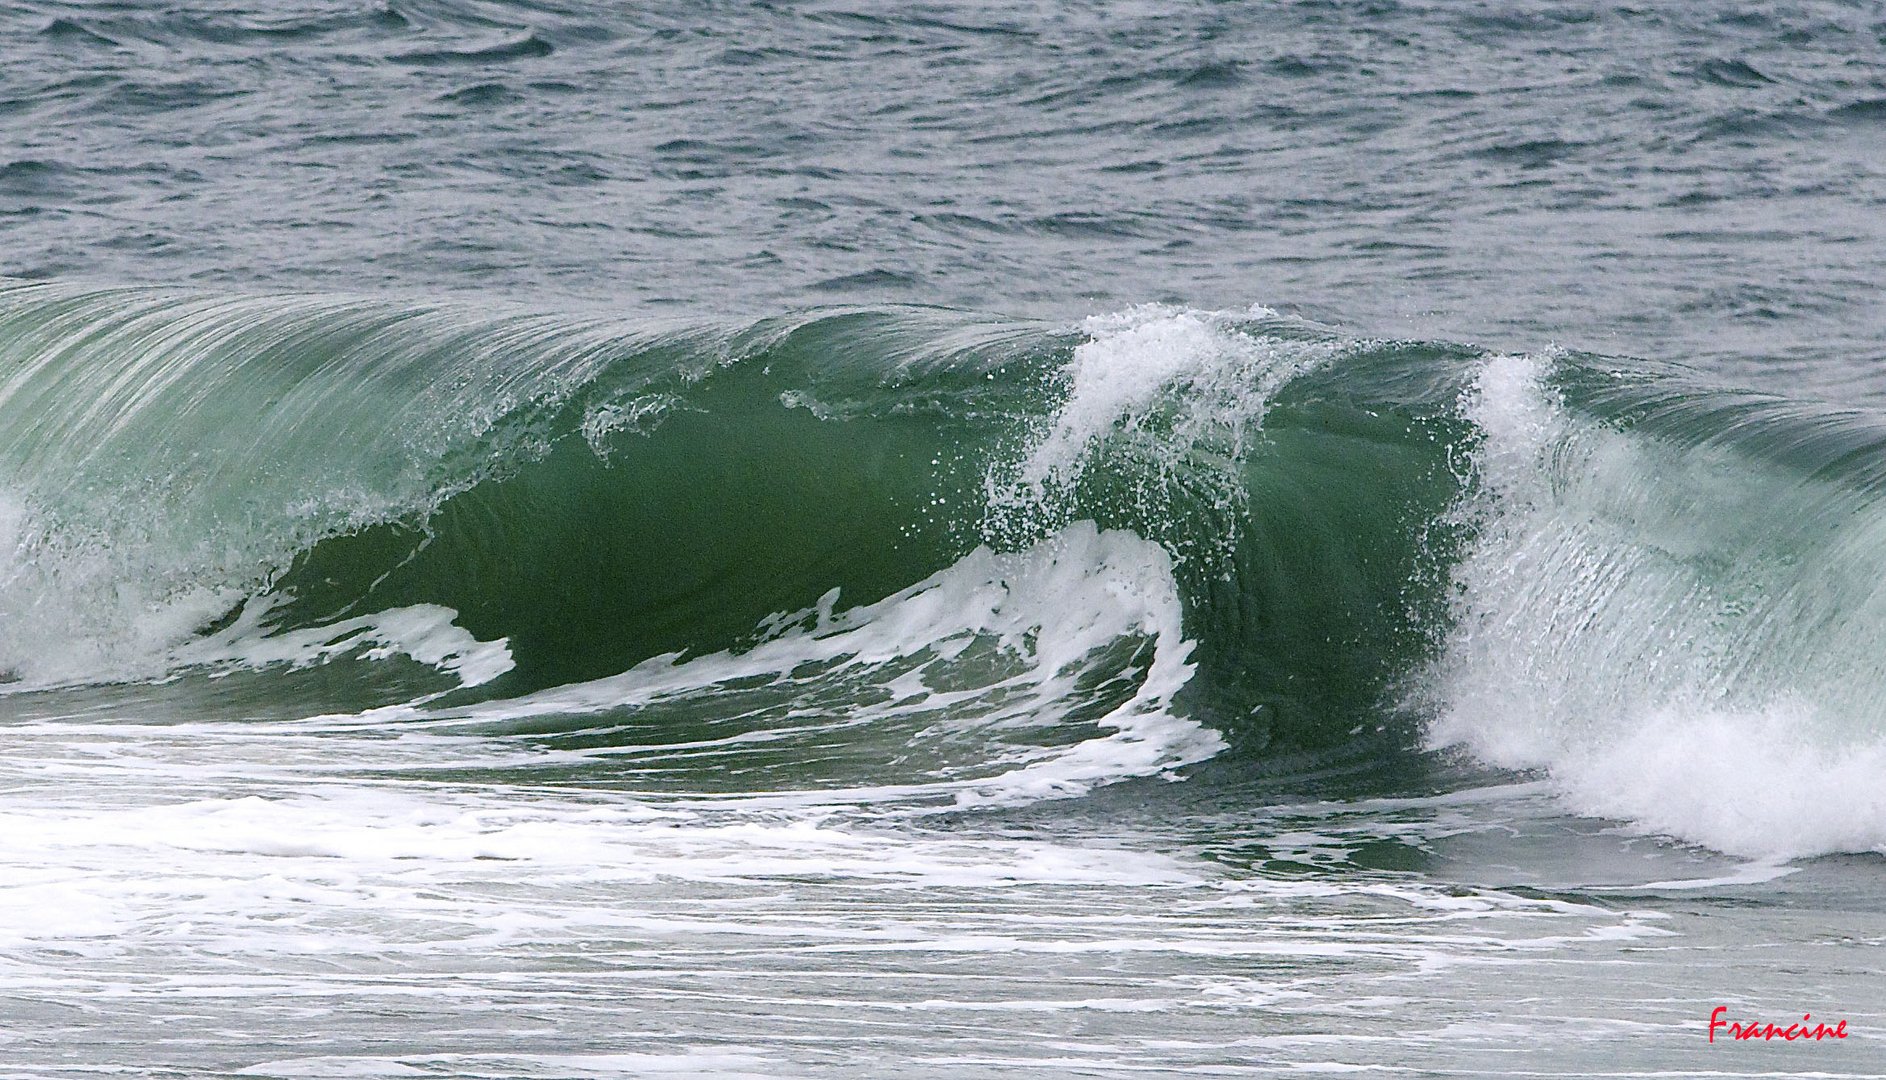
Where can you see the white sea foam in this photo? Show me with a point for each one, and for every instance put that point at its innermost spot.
(332, 926)
(1682, 639)
(425, 632)
(997, 644)
(429, 871)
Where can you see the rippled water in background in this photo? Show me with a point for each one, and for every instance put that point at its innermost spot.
(1683, 180)
(566, 539)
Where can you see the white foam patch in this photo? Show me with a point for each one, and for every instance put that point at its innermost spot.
(253, 899)
(1677, 637)
(1763, 785)
(638, 414)
(77, 609)
(425, 632)
(1050, 609)
(389, 869)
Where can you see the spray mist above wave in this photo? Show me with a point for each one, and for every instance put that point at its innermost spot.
(1180, 393)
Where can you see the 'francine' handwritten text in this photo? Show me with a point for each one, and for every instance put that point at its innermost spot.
(1769, 1032)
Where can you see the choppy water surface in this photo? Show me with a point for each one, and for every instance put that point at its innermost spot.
(806, 540)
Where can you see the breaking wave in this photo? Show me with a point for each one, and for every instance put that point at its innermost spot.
(956, 555)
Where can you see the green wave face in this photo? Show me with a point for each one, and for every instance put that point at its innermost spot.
(597, 493)
(1532, 556)
(759, 484)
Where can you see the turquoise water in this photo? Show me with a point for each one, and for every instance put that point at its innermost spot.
(539, 540)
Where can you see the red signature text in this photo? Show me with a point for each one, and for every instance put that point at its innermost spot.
(1768, 1032)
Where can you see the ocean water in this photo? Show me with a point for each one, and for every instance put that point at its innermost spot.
(562, 539)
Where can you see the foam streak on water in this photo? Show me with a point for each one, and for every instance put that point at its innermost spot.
(323, 925)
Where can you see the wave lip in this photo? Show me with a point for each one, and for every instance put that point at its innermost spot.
(1167, 382)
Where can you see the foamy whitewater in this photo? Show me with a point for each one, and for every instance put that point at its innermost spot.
(817, 541)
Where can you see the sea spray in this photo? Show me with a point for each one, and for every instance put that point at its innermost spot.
(1678, 636)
